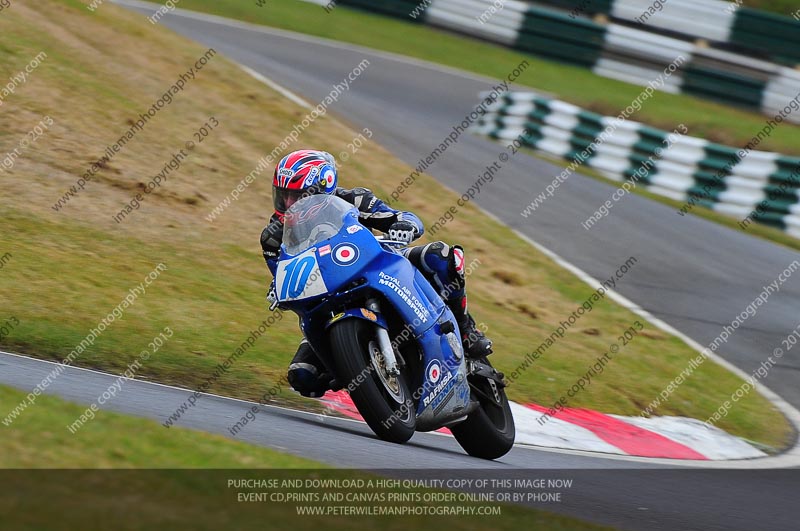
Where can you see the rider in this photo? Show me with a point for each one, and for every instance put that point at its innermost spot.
(306, 172)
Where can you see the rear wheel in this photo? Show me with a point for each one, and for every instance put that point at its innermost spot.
(489, 431)
(382, 399)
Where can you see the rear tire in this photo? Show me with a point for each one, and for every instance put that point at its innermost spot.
(489, 431)
(391, 419)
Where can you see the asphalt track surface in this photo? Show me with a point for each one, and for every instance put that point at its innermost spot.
(623, 493)
(693, 274)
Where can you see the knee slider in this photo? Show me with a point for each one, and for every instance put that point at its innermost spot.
(456, 261)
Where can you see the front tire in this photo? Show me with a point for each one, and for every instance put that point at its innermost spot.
(383, 401)
(489, 431)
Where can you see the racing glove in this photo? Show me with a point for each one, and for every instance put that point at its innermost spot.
(403, 231)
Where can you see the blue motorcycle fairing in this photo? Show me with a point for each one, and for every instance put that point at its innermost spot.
(335, 275)
(383, 270)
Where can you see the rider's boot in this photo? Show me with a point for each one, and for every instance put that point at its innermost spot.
(476, 344)
(307, 374)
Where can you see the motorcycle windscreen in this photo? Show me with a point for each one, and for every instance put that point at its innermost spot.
(313, 219)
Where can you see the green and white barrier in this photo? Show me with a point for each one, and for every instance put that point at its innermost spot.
(733, 181)
(633, 54)
(756, 33)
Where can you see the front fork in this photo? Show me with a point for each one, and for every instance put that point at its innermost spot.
(384, 343)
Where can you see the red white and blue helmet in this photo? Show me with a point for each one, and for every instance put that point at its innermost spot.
(302, 173)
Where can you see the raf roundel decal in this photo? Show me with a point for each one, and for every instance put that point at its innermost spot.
(345, 254)
(328, 176)
(434, 372)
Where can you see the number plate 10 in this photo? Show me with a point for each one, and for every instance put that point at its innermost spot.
(300, 278)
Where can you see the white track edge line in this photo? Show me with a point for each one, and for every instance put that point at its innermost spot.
(282, 90)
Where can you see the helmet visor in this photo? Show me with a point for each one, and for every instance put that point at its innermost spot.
(283, 198)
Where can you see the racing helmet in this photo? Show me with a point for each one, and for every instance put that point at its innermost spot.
(300, 174)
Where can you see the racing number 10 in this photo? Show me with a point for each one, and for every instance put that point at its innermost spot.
(297, 272)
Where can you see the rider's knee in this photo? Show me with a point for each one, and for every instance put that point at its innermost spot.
(306, 373)
(446, 262)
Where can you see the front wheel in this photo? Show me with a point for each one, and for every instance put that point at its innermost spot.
(383, 400)
(489, 431)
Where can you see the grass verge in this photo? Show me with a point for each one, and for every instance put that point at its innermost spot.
(70, 268)
(40, 439)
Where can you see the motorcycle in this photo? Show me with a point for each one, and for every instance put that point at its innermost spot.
(354, 292)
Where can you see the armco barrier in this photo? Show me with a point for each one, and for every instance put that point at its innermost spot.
(730, 180)
(632, 54)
